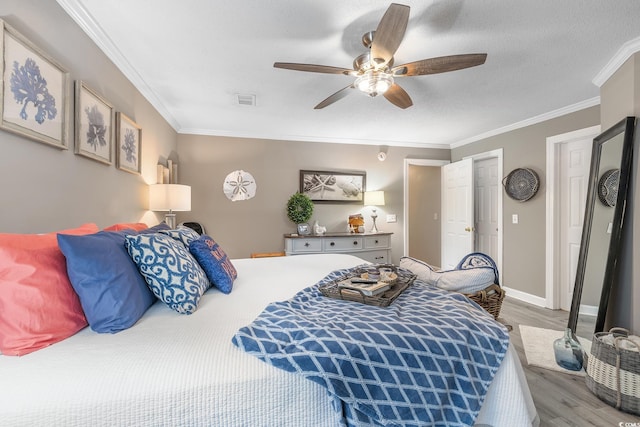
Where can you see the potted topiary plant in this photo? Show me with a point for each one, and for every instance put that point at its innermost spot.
(299, 211)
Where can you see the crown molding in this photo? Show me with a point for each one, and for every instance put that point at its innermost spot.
(624, 53)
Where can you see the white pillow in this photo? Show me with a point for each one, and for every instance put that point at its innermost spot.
(421, 269)
(466, 281)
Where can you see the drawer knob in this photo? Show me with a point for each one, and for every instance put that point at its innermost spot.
(355, 243)
(376, 241)
(306, 245)
(332, 243)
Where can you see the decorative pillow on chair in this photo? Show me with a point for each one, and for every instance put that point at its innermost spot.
(467, 281)
(421, 269)
(182, 234)
(113, 293)
(169, 269)
(38, 306)
(215, 263)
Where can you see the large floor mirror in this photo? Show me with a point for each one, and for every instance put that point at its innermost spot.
(611, 161)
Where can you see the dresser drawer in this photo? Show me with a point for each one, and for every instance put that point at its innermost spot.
(373, 242)
(342, 244)
(306, 245)
(375, 257)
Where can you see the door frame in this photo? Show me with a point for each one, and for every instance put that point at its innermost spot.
(407, 163)
(552, 271)
(497, 153)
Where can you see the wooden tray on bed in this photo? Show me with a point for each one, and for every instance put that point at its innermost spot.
(384, 299)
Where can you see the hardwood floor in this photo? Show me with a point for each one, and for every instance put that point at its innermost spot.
(561, 399)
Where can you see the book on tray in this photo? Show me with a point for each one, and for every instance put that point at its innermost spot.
(364, 286)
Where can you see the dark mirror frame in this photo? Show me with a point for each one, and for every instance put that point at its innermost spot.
(627, 128)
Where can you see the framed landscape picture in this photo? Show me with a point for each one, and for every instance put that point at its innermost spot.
(35, 101)
(128, 144)
(333, 187)
(95, 117)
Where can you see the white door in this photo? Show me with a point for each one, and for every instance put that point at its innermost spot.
(575, 158)
(457, 212)
(487, 187)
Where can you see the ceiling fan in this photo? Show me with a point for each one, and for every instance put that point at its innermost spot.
(374, 71)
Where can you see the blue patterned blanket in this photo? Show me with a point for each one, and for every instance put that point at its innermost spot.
(427, 359)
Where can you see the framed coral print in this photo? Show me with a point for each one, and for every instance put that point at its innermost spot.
(94, 125)
(128, 144)
(35, 101)
(333, 187)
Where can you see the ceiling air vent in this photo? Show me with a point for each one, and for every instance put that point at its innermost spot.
(249, 100)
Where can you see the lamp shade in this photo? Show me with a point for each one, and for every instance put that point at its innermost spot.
(169, 197)
(374, 198)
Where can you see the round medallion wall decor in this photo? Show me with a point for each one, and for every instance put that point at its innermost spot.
(239, 185)
(608, 187)
(521, 184)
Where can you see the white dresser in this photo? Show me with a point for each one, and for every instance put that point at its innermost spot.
(373, 247)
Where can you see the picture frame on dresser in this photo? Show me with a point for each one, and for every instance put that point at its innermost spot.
(333, 186)
(128, 144)
(35, 100)
(94, 119)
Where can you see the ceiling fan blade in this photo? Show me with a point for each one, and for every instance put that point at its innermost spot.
(389, 34)
(313, 68)
(441, 64)
(335, 97)
(398, 96)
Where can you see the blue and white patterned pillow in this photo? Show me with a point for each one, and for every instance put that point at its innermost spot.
(182, 234)
(172, 274)
(215, 262)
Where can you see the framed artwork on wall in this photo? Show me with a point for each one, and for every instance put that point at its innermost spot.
(333, 187)
(128, 144)
(35, 101)
(95, 117)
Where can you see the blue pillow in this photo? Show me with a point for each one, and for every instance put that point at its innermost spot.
(169, 269)
(156, 228)
(111, 290)
(215, 262)
(182, 234)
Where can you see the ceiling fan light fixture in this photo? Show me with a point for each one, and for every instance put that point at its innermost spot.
(374, 83)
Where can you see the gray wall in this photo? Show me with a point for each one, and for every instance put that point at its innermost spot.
(46, 189)
(258, 224)
(424, 201)
(523, 265)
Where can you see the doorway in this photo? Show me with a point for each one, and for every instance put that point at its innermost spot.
(568, 159)
(491, 190)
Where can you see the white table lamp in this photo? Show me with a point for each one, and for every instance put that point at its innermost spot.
(374, 198)
(170, 197)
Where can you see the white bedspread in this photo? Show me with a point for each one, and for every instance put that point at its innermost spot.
(171, 369)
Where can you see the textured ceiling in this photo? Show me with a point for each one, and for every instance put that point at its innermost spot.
(191, 58)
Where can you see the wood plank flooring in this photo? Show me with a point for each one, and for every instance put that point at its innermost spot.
(561, 399)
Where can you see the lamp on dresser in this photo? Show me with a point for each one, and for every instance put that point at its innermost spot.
(373, 199)
(171, 198)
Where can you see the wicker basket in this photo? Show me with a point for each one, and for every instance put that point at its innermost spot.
(490, 298)
(403, 281)
(613, 373)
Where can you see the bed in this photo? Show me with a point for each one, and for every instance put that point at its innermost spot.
(172, 369)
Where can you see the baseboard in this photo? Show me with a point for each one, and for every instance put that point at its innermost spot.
(523, 296)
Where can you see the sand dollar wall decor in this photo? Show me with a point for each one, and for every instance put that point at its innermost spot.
(239, 185)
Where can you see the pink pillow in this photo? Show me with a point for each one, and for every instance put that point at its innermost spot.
(38, 306)
(137, 226)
